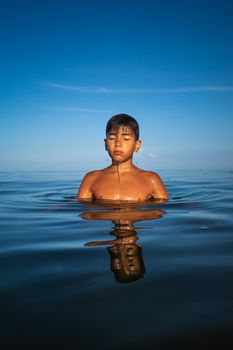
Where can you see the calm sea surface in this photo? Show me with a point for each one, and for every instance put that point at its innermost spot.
(148, 276)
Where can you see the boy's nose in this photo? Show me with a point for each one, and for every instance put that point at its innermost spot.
(118, 142)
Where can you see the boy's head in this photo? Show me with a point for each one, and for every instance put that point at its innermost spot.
(127, 262)
(125, 121)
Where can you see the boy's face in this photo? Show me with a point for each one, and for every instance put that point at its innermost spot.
(121, 144)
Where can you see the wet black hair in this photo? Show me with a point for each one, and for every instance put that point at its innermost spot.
(124, 120)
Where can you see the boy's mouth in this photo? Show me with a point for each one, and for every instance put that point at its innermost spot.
(117, 153)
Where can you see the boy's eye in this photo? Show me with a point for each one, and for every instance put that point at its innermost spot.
(126, 138)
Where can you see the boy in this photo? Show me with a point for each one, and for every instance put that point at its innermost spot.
(122, 180)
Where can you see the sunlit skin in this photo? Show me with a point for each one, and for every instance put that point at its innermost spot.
(122, 180)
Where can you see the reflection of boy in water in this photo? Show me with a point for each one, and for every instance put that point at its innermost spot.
(126, 258)
(122, 180)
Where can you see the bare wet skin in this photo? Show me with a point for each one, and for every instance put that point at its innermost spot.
(122, 180)
(132, 185)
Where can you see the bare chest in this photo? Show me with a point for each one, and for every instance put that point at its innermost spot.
(131, 188)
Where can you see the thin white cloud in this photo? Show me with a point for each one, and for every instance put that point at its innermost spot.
(107, 90)
(153, 155)
(96, 90)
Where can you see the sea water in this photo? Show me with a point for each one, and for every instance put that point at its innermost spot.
(58, 288)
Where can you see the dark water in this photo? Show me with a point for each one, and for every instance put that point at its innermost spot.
(165, 283)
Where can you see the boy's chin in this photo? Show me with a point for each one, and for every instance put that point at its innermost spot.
(117, 161)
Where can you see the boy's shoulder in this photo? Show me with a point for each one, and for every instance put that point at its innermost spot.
(92, 174)
(149, 174)
(157, 185)
(152, 177)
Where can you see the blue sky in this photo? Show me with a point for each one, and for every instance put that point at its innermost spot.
(67, 66)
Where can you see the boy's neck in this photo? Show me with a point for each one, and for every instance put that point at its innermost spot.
(124, 166)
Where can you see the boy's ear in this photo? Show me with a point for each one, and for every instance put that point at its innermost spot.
(138, 145)
(105, 143)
